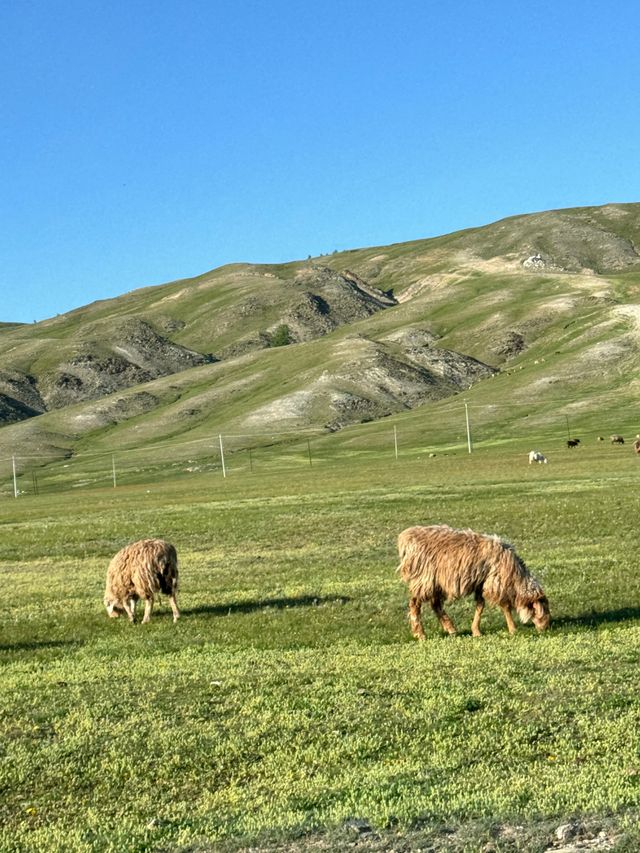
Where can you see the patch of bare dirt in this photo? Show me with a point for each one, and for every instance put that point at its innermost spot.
(357, 834)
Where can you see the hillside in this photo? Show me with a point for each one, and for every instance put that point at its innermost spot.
(539, 311)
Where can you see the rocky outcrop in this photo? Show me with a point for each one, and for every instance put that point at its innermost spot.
(19, 397)
(372, 381)
(329, 300)
(138, 354)
(456, 370)
(540, 262)
(115, 411)
(310, 318)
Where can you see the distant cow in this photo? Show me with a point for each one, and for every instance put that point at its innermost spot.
(573, 442)
(616, 439)
(536, 456)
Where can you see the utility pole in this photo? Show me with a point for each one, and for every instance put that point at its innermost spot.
(466, 413)
(224, 470)
(15, 482)
(309, 449)
(395, 439)
(113, 469)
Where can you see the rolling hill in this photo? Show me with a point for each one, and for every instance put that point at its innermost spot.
(535, 317)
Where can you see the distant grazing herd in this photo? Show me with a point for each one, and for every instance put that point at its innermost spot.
(438, 563)
(536, 456)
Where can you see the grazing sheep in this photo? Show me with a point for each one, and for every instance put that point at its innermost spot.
(616, 439)
(573, 442)
(636, 444)
(440, 564)
(139, 571)
(536, 456)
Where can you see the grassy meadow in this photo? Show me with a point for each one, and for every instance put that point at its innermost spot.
(290, 703)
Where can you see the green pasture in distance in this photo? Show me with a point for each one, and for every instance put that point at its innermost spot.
(291, 698)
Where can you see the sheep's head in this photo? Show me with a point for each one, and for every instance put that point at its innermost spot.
(536, 611)
(113, 608)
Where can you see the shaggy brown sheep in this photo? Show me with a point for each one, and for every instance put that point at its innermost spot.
(636, 444)
(440, 564)
(139, 571)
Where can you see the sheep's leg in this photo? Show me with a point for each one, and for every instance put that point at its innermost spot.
(129, 609)
(148, 607)
(414, 616)
(174, 607)
(475, 625)
(511, 625)
(443, 618)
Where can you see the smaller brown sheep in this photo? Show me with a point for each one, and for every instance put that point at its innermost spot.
(573, 442)
(138, 571)
(440, 564)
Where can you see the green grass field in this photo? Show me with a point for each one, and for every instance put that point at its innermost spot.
(290, 699)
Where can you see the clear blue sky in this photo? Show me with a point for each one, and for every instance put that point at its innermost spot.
(142, 141)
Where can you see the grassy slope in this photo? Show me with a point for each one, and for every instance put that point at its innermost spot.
(468, 287)
(291, 696)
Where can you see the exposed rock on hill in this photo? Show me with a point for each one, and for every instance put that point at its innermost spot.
(598, 240)
(372, 383)
(86, 377)
(261, 340)
(139, 355)
(453, 368)
(331, 299)
(19, 397)
(509, 345)
(412, 337)
(310, 318)
(540, 262)
(116, 411)
(12, 410)
(141, 345)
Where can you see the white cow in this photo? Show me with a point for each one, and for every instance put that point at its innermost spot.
(536, 456)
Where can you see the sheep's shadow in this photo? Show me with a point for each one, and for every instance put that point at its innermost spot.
(36, 645)
(594, 618)
(262, 603)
